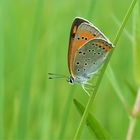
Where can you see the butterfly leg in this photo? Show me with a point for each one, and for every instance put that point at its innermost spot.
(89, 85)
(85, 89)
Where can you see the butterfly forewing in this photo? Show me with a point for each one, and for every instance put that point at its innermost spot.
(90, 31)
(77, 21)
(90, 57)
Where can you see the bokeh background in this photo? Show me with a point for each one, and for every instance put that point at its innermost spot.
(34, 36)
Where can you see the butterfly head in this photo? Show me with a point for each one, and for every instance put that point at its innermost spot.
(70, 80)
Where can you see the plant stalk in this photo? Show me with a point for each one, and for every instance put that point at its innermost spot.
(2, 68)
(133, 117)
(131, 127)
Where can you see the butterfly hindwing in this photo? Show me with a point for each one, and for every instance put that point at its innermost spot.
(90, 57)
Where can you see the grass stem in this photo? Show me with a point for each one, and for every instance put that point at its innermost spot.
(25, 98)
(133, 117)
(131, 127)
(2, 78)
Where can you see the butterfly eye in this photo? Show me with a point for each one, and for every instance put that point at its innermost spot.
(70, 79)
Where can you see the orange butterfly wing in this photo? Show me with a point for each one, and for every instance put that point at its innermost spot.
(77, 21)
(81, 32)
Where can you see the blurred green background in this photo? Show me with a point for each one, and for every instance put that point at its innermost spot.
(34, 36)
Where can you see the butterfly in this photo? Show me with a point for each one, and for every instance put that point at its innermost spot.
(87, 51)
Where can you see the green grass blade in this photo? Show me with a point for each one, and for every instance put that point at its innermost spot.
(136, 42)
(136, 62)
(2, 61)
(66, 111)
(124, 22)
(24, 101)
(131, 87)
(92, 123)
(116, 86)
(126, 32)
(90, 101)
(91, 8)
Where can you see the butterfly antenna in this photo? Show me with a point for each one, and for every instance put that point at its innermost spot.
(54, 76)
